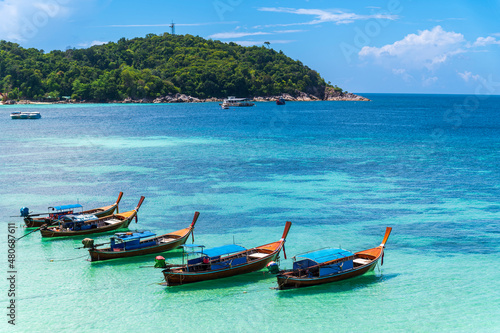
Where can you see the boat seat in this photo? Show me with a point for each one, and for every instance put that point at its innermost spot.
(361, 261)
(257, 255)
(113, 221)
(167, 240)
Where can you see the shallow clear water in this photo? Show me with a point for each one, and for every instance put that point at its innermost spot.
(340, 171)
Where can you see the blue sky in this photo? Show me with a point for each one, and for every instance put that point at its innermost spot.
(363, 46)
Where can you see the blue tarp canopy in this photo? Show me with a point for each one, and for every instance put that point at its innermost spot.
(66, 207)
(221, 250)
(126, 236)
(325, 255)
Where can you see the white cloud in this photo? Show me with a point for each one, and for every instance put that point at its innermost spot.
(228, 35)
(427, 49)
(483, 41)
(429, 81)
(403, 73)
(466, 76)
(288, 31)
(322, 16)
(418, 55)
(21, 20)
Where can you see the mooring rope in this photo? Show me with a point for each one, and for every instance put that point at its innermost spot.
(68, 259)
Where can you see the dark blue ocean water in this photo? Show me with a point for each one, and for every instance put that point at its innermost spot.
(426, 165)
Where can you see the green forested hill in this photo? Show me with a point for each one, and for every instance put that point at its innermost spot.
(151, 67)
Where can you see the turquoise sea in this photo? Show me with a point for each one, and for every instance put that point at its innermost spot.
(341, 172)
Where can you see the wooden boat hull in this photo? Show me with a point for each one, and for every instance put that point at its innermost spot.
(365, 261)
(175, 279)
(178, 237)
(286, 282)
(38, 222)
(54, 232)
(105, 254)
(102, 225)
(179, 275)
(98, 212)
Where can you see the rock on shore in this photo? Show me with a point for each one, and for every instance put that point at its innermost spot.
(330, 94)
(338, 95)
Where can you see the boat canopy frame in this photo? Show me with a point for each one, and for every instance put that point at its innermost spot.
(222, 250)
(324, 255)
(66, 207)
(128, 236)
(211, 252)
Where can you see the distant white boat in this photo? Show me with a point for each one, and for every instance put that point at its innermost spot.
(25, 115)
(233, 101)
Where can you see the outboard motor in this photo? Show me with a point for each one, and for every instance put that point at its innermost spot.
(273, 267)
(25, 212)
(88, 243)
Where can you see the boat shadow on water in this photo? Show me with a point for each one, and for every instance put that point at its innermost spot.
(238, 281)
(78, 238)
(353, 284)
(143, 261)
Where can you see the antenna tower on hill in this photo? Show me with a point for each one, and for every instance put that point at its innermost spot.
(172, 26)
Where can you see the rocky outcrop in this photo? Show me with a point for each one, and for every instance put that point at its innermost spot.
(329, 94)
(332, 94)
(177, 98)
(304, 97)
(299, 97)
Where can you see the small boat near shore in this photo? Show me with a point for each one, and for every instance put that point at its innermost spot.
(280, 101)
(76, 225)
(25, 115)
(329, 265)
(131, 244)
(224, 261)
(56, 212)
(236, 102)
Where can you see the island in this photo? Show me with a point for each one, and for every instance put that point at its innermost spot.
(158, 69)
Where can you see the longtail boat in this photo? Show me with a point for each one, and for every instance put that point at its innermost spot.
(224, 261)
(329, 265)
(130, 244)
(75, 225)
(56, 212)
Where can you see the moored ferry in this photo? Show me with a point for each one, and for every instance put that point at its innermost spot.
(233, 101)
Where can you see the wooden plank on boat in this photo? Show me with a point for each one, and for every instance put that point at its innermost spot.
(361, 261)
(113, 221)
(167, 240)
(258, 255)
